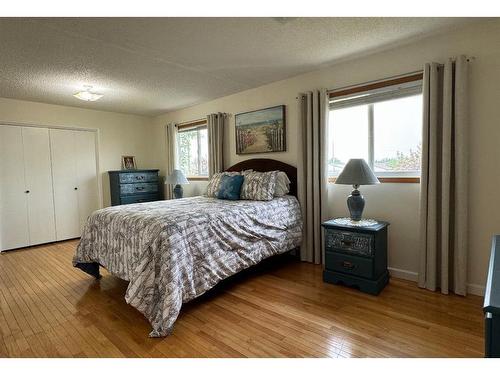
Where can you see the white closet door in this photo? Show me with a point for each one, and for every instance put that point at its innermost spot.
(38, 175)
(13, 199)
(62, 143)
(86, 170)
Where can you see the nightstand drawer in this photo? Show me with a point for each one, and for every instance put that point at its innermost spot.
(349, 242)
(349, 264)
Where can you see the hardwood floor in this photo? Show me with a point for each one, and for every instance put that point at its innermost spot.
(282, 309)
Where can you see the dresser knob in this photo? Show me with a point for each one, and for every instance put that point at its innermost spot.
(76, 188)
(27, 191)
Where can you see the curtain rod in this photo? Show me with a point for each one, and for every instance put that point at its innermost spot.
(468, 58)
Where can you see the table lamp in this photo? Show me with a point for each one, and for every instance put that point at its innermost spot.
(356, 172)
(177, 178)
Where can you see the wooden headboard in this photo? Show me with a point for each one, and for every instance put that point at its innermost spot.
(267, 165)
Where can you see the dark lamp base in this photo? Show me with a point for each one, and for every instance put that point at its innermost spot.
(356, 204)
(178, 191)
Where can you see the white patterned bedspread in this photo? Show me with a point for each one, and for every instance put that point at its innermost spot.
(173, 251)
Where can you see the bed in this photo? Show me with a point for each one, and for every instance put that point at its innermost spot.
(173, 251)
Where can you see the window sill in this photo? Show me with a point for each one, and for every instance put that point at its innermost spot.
(197, 178)
(389, 180)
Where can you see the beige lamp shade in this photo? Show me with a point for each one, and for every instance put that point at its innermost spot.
(176, 178)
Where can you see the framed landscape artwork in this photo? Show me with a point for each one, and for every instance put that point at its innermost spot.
(261, 131)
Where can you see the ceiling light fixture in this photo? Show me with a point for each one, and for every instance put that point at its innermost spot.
(87, 95)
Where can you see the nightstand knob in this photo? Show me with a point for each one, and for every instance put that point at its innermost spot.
(347, 243)
(347, 265)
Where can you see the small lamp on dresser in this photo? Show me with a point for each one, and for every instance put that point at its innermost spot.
(177, 178)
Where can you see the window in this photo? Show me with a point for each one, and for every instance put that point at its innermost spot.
(192, 149)
(381, 123)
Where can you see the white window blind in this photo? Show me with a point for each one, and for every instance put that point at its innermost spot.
(377, 95)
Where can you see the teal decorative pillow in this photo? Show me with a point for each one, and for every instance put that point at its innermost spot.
(214, 183)
(230, 187)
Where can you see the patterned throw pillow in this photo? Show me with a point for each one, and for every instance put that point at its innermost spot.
(230, 187)
(213, 184)
(258, 186)
(282, 185)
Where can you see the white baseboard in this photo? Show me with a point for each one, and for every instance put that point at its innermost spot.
(475, 289)
(403, 274)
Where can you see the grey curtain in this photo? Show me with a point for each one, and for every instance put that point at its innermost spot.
(171, 146)
(216, 123)
(312, 173)
(443, 197)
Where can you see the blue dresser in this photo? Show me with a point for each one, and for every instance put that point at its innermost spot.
(134, 186)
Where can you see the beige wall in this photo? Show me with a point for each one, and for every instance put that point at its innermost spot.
(119, 134)
(396, 203)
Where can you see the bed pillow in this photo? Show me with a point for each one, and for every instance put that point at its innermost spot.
(282, 185)
(258, 186)
(230, 187)
(213, 184)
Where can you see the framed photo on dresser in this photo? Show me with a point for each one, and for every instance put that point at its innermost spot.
(128, 162)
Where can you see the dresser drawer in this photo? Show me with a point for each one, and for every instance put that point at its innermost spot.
(140, 198)
(149, 187)
(128, 178)
(349, 264)
(349, 242)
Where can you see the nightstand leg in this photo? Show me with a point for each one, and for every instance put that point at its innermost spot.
(373, 287)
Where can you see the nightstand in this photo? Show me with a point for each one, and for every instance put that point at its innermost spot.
(356, 255)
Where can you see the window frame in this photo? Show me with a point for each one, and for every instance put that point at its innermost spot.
(195, 125)
(373, 87)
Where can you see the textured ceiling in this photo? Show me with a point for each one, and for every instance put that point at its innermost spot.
(150, 66)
